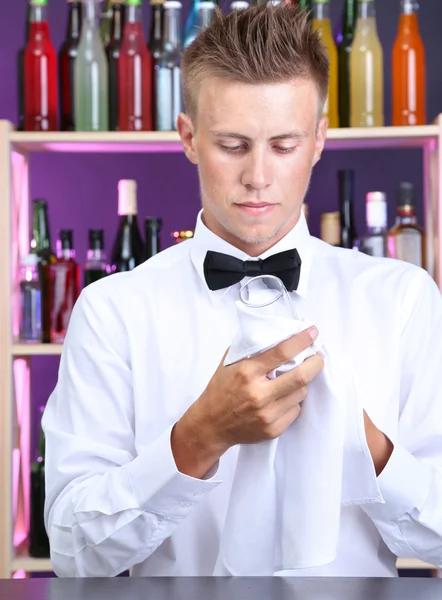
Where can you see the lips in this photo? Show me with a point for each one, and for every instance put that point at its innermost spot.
(256, 209)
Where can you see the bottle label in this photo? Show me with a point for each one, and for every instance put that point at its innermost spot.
(409, 247)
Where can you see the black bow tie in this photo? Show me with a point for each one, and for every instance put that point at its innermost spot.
(223, 270)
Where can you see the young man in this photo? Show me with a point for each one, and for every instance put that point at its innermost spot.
(145, 424)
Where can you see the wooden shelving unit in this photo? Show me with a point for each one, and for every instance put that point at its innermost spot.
(15, 148)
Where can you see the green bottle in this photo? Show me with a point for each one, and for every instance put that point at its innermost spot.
(38, 539)
(344, 50)
(91, 74)
(305, 5)
(41, 245)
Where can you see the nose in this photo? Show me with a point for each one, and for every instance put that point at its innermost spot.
(257, 172)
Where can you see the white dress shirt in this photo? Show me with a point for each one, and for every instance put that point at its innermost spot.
(141, 348)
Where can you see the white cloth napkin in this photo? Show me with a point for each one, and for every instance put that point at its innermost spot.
(284, 509)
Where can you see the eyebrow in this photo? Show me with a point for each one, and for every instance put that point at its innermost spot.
(291, 135)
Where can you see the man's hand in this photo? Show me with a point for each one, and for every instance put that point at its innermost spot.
(242, 406)
(379, 445)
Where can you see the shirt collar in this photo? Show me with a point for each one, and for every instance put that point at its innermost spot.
(204, 239)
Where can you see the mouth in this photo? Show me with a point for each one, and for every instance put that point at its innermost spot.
(256, 208)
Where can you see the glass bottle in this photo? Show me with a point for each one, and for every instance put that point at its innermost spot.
(375, 241)
(152, 230)
(201, 14)
(406, 239)
(21, 74)
(106, 22)
(321, 21)
(155, 45)
(330, 229)
(96, 266)
(41, 246)
(40, 73)
(168, 70)
(30, 301)
(134, 74)
(128, 249)
(349, 238)
(408, 69)
(38, 538)
(91, 75)
(113, 57)
(65, 286)
(344, 50)
(66, 64)
(366, 70)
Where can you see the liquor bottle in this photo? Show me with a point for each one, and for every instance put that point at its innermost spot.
(181, 235)
(168, 70)
(155, 45)
(321, 21)
(96, 266)
(152, 230)
(41, 245)
(21, 74)
(91, 75)
(113, 57)
(40, 73)
(38, 538)
(30, 301)
(406, 240)
(375, 241)
(344, 51)
(408, 69)
(65, 286)
(200, 16)
(366, 70)
(349, 238)
(330, 228)
(134, 74)
(66, 64)
(106, 22)
(128, 249)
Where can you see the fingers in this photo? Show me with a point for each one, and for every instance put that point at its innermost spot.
(297, 378)
(283, 352)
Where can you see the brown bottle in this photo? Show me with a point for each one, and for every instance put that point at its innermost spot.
(406, 240)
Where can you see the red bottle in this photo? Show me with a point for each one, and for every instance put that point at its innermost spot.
(40, 73)
(134, 74)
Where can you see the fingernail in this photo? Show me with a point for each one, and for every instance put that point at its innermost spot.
(313, 332)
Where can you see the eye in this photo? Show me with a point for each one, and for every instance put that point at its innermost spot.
(232, 149)
(284, 150)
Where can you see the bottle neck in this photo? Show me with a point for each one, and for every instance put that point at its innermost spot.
(41, 441)
(408, 23)
(96, 254)
(74, 21)
(156, 23)
(366, 10)
(349, 19)
(205, 15)
(409, 7)
(91, 13)
(321, 11)
(41, 230)
(152, 241)
(405, 215)
(134, 14)
(172, 30)
(38, 14)
(117, 22)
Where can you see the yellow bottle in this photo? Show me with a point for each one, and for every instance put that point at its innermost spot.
(321, 21)
(366, 70)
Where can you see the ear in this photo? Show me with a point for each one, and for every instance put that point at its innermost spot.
(187, 134)
(321, 136)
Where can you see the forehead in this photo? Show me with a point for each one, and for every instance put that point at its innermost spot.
(226, 103)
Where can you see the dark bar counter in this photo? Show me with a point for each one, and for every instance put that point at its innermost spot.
(222, 588)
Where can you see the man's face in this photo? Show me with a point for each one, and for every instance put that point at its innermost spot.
(255, 146)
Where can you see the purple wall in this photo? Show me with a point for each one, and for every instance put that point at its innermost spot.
(82, 189)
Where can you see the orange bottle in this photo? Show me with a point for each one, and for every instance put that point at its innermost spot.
(408, 67)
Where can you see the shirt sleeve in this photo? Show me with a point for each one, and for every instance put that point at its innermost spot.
(410, 518)
(106, 507)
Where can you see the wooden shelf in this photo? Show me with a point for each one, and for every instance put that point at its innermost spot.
(169, 141)
(31, 565)
(36, 349)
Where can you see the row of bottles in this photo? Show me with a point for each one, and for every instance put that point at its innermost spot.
(50, 282)
(356, 85)
(404, 241)
(106, 77)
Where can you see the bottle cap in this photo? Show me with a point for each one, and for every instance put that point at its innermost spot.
(29, 260)
(39, 2)
(96, 239)
(172, 4)
(405, 194)
(66, 239)
(239, 5)
(127, 197)
(376, 209)
(153, 223)
(331, 228)
(133, 2)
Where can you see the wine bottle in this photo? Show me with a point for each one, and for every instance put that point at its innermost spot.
(96, 266)
(113, 57)
(65, 286)
(349, 238)
(66, 64)
(152, 229)
(38, 538)
(21, 74)
(128, 249)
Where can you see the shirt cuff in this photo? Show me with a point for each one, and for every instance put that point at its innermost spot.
(160, 488)
(404, 484)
